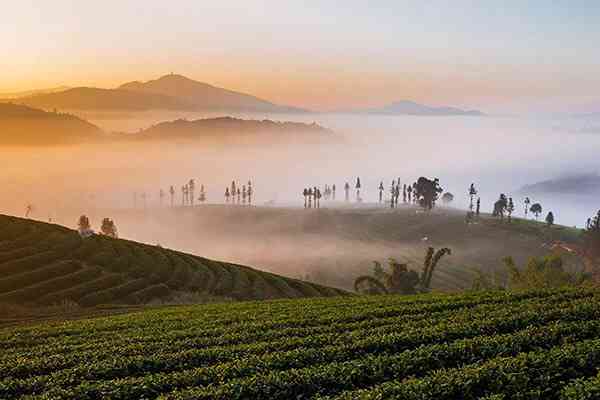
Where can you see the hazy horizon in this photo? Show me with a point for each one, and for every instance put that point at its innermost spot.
(500, 58)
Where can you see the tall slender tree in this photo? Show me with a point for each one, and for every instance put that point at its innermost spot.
(527, 205)
(305, 194)
(358, 186)
(250, 192)
(172, 193)
(347, 190)
(227, 195)
(510, 209)
(333, 192)
(381, 192)
(472, 194)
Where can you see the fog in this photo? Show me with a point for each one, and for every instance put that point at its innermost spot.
(499, 154)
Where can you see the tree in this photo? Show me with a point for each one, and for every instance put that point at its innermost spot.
(536, 209)
(233, 191)
(161, 196)
(202, 197)
(84, 227)
(380, 192)
(358, 186)
(500, 206)
(250, 192)
(550, 219)
(392, 194)
(400, 279)
(333, 192)
(310, 196)
(472, 194)
(347, 190)
(478, 210)
(510, 209)
(527, 204)
(227, 195)
(427, 191)
(592, 238)
(191, 187)
(447, 198)
(305, 194)
(172, 193)
(108, 228)
(541, 273)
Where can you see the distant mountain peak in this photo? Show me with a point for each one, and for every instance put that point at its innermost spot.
(409, 107)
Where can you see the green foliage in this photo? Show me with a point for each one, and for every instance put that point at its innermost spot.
(491, 345)
(399, 279)
(541, 273)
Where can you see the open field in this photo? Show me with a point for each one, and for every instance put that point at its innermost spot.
(495, 345)
(43, 264)
(335, 244)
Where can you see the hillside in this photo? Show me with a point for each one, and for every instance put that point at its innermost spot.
(170, 92)
(406, 107)
(530, 345)
(86, 98)
(202, 96)
(333, 246)
(22, 125)
(581, 185)
(42, 264)
(228, 127)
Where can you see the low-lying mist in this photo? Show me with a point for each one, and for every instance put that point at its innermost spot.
(499, 154)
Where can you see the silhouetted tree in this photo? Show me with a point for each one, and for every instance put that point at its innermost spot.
(310, 196)
(409, 190)
(172, 193)
(472, 194)
(28, 210)
(448, 198)
(250, 192)
(380, 192)
(244, 194)
(83, 226)
(396, 194)
(500, 206)
(108, 228)
(550, 219)
(510, 209)
(233, 191)
(202, 197)
(536, 209)
(527, 204)
(239, 195)
(191, 188)
(318, 197)
(305, 194)
(427, 192)
(478, 206)
(333, 192)
(357, 186)
(347, 190)
(227, 195)
(161, 196)
(404, 193)
(392, 194)
(183, 195)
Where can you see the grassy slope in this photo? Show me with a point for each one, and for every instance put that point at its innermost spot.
(334, 245)
(42, 264)
(414, 347)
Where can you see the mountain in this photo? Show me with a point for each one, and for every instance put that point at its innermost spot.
(16, 95)
(22, 125)
(86, 98)
(232, 128)
(170, 92)
(202, 96)
(44, 264)
(406, 107)
(584, 184)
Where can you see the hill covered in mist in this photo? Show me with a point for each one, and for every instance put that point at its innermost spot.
(24, 126)
(170, 92)
(584, 184)
(231, 128)
(406, 107)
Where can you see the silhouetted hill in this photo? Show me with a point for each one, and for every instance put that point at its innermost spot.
(203, 96)
(170, 92)
(27, 93)
(585, 184)
(22, 125)
(228, 127)
(85, 98)
(406, 107)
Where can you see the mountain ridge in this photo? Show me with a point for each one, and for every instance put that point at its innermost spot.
(409, 107)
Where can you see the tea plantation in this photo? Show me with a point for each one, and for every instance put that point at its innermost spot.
(497, 345)
(43, 264)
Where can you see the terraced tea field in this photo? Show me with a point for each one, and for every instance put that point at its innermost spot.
(42, 264)
(531, 345)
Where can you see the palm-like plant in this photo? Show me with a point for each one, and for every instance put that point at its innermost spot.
(400, 279)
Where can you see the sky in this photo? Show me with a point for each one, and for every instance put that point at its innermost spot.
(501, 56)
